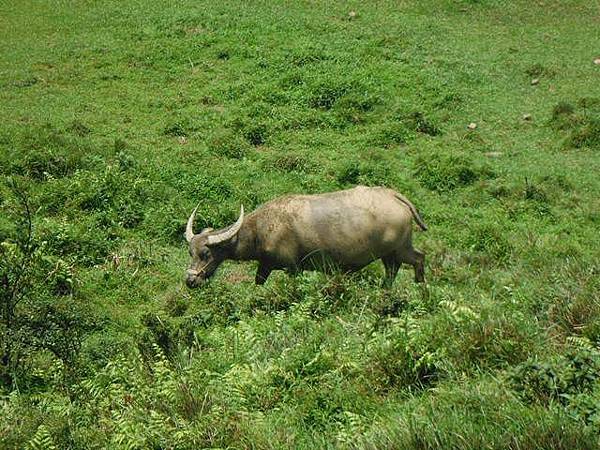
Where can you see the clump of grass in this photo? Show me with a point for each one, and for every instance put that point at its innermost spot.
(444, 172)
(87, 246)
(228, 143)
(183, 126)
(537, 70)
(577, 315)
(256, 134)
(563, 115)
(490, 238)
(307, 55)
(79, 128)
(350, 97)
(326, 94)
(353, 106)
(362, 172)
(586, 136)
(47, 153)
(436, 422)
(582, 122)
(389, 134)
(417, 121)
(291, 162)
(534, 192)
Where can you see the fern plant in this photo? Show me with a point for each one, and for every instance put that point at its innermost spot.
(41, 440)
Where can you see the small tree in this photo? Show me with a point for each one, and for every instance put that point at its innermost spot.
(37, 309)
(17, 257)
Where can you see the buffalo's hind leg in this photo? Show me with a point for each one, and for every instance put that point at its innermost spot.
(416, 259)
(391, 265)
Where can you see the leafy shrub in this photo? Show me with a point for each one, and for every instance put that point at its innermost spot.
(57, 326)
(561, 379)
(41, 440)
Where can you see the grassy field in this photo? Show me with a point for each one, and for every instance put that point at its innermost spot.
(118, 117)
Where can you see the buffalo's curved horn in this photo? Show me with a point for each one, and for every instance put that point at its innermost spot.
(228, 234)
(189, 229)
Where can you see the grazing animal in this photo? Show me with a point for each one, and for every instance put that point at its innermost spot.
(344, 230)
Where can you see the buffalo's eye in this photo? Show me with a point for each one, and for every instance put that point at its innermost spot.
(205, 253)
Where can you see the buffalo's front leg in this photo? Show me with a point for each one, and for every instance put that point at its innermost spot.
(262, 273)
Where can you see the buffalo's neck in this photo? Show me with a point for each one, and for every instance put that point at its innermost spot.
(244, 248)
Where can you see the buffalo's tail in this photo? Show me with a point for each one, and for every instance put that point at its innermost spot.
(413, 210)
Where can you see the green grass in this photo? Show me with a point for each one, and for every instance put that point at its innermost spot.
(118, 117)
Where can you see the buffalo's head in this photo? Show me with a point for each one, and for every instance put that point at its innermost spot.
(208, 249)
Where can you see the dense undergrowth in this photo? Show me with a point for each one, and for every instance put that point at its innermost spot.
(118, 117)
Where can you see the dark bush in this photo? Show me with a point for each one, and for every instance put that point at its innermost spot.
(157, 331)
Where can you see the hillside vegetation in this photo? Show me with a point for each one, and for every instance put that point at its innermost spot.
(118, 117)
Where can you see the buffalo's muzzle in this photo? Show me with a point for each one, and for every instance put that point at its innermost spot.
(193, 279)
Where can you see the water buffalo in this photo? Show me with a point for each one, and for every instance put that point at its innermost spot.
(344, 230)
